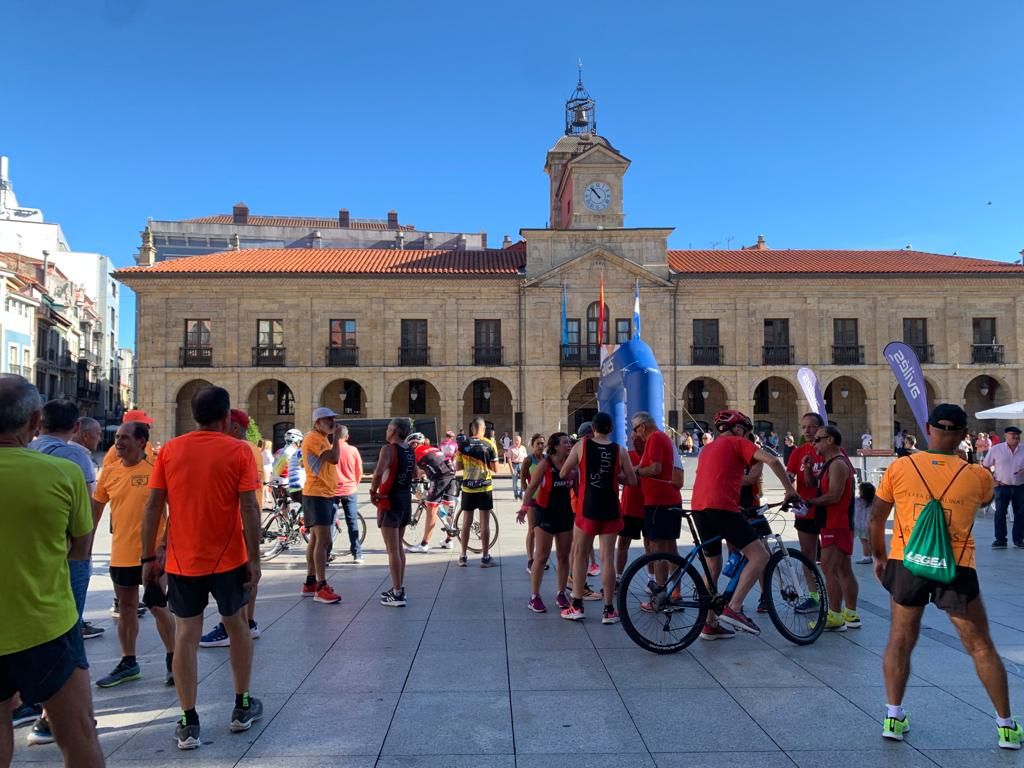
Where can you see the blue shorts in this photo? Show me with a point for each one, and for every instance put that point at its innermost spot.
(318, 510)
(39, 673)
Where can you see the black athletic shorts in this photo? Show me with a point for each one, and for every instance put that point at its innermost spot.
(126, 575)
(38, 673)
(188, 596)
(812, 524)
(663, 522)
(318, 510)
(553, 521)
(914, 592)
(633, 527)
(474, 501)
(731, 526)
(399, 516)
(443, 486)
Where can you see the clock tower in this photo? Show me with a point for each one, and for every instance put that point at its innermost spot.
(585, 171)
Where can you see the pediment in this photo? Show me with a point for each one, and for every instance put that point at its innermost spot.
(595, 259)
(599, 155)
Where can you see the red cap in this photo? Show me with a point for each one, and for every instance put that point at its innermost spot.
(240, 418)
(138, 415)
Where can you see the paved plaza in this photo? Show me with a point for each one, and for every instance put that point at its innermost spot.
(466, 676)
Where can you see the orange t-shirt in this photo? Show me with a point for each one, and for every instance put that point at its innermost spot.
(321, 476)
(126, 488)
(203, 472)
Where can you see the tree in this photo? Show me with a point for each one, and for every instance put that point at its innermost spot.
(253, 434)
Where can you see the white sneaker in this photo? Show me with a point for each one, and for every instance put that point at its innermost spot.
(358, 560)
(418, 548)
(445, 545)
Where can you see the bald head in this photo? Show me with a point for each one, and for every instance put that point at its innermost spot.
(20, 405)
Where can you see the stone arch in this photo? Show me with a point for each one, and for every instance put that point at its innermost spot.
(776, 406)
(903, 417)
(490, 399)
(183, 421)
(271, 403)
(846, 403)
(699, 408)
(582, 403)
(417, 399)
(346, 396)
(982, 392)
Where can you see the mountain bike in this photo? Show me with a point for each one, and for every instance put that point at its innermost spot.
(672, 618)
(285, 526)
(448, 519)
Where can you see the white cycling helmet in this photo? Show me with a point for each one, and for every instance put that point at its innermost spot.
(293, 436)
(415, 437)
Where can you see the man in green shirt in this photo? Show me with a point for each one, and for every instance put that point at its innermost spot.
(42, 658)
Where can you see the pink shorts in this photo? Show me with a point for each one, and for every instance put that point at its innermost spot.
(838, 537)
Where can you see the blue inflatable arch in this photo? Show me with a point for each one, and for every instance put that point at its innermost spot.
(631, 381)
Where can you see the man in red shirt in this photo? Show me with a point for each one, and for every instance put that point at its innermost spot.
(663, 504)
(208, 482)
(716, 512)
(804, 458)
(350, 472)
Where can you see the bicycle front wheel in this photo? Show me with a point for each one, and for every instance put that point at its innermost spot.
(794, 612)
(475, 542)
(670, 620)
(414, 530)
(362, 528)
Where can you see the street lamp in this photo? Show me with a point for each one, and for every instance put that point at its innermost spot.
(775, 394)
(844, 392)
(270, 394)
(984, 389)
(705, 394)
(487, 394)
(413, 394)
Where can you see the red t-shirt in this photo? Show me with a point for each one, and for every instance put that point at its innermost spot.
(632, 497)
(720, 470)
(203, 472)
(837, 516)
(796, 458)
(659, 491)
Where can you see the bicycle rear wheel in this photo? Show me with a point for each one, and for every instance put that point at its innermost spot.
(475, 543)
(362, 528)
(798, 617)
(670, 620)
(414, 530)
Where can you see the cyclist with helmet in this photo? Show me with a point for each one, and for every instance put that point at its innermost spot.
(435, 466)
(288, 464)
(716, 512)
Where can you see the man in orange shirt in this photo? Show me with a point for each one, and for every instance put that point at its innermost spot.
(321, 448)
(208, 481)
(125, 485)
(140, 416)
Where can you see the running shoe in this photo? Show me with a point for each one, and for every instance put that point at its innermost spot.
(393, 599)
(572, 613)
(529, 567)
(998, 545)
(308, 590)
(589, 594)
(358, 559)
(89, 631)
(115, 609)
(762, 604)
(187, 735)
(215, 638)
(807, 605)
(242, 718)
(717, 632)
(537, 605)
(169, 679)
(866, 560)
(835, 622)
(894, 729)
(123, 673)
(254, 630)
(852, 618)
(463, 561)
(1010, 738)
(738, 620)
(418, 548)
(657, 598)
(609, 616)
(326, 594)
(487, 562)
(446, 544)
(25, 714)
(562, 600)
(594, 570)
(40, 733)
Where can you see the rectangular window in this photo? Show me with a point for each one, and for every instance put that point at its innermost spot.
(414, 334)
(705, 333)
(343, 333)
(487, 334)
(12, 359)
(572, 333)
(845, 332)
(417, 396)
(197, 333)
(915, 330)
(285, 401)
(984, 330)
(481, 396)
(623, 330)
(269, 333)
(776, 333)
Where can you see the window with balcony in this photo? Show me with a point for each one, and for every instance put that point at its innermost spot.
(343, 348)
(593, 316)
(846, 347)
(706, 348)
(915, 336)
(414, 349)
(985, 348)
(623, 330)
(197, 350)
(269, 349)
(481, 396)
(777, 349)
(487, 342)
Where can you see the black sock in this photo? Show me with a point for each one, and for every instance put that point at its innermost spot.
(607, 608)
(191, 717)
(577, 602)
(169, 660)
(242, 700)
(311, 579)
(321, 584)
(128, 660)
(252, 623)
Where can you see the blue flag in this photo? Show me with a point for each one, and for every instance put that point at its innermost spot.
(565, 321)
(907, 369)
(636, 311)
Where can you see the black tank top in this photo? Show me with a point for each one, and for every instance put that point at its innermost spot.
(599, 481)
(558, 499)
(401, 487)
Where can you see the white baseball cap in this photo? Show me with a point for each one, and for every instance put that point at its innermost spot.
(323, 413)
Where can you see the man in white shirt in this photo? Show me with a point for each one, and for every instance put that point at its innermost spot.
(1006, 460)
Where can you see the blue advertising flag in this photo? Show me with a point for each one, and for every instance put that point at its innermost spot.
(812, 391)
(636, 311)
(565, 321)
(907, 369)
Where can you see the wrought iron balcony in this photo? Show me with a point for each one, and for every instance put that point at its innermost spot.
(847, 354)
(414, 355)
(776, 355)
(195, 357)
(987, 354)
(89, 392)
(925, 352)
(264, 357)
(487, 355)
(703, 354)
(341, 357)
(582, 355)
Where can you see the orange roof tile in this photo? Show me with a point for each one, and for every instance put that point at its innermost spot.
(353, 261)
(295, 221)
(831, 262)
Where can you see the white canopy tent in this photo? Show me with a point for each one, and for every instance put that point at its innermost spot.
(1011, 411)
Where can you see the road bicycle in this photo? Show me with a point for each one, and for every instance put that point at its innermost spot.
(283, 525)
(671, 619)
(448, 519)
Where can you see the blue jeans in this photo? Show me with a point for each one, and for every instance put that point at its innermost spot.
(517, 485)
(81, 571)
(1005, 496)
(350, 506)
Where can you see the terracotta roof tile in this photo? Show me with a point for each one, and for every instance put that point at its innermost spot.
(353, 261)
(295, 221)
(830, 262)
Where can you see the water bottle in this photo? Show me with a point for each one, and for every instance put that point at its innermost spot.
(732, 563)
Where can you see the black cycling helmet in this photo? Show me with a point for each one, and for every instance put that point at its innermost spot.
(727, 419)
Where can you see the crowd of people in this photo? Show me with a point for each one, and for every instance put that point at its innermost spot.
(185, 525)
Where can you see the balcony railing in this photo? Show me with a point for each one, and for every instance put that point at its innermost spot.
(925, 352)
(341, 357)
(847, 354)
(16, 369)
(414, 355)
(581, 355)
(703, 354)
(195, 357)
(776, 355)
(487, 355)
(89, 392)
(268, 357)
(990, 354)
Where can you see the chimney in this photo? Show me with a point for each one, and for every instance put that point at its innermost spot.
(400, 240)
(317, 239)
(240, 213)
(483, 240)
(506, 241)
(343, 218)
(460, 243)
(428, 242)
(236, 242)
(761, 246)
(392, 219)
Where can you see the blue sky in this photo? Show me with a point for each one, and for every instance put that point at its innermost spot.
(873, 125)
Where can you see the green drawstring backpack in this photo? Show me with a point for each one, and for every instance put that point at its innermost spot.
(928, 552)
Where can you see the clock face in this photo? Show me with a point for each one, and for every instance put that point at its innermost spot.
(597, 196)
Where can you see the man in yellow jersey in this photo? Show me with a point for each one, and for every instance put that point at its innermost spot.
(478, 460)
